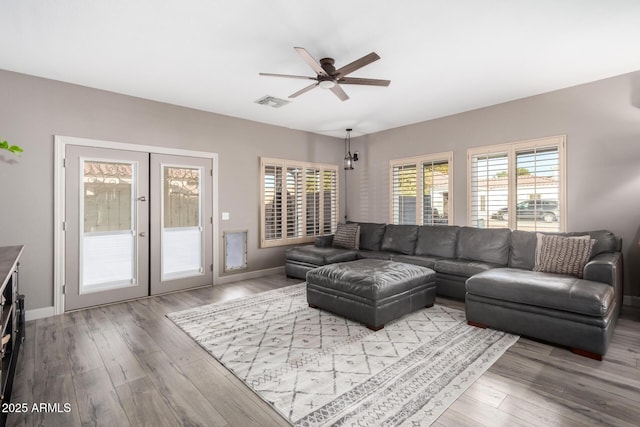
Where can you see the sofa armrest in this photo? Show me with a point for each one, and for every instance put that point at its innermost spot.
(323, 241)
(606, 268)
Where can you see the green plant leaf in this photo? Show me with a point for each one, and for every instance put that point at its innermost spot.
(15, 149)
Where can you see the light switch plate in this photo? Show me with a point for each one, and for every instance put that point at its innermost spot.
(225, 216)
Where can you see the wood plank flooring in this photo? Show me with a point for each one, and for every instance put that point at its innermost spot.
(128, 365)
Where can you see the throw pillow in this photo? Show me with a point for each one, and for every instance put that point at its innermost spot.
(563, 255)
(347, 236)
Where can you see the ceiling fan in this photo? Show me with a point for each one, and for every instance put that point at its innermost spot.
(327, 77)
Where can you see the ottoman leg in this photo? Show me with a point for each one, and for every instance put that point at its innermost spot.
(374, 328)
(313, 306)
(476, 324)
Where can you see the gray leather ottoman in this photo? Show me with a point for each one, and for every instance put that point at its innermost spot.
(371, 291)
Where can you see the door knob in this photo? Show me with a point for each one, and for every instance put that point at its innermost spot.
(142, 199)
(142, 234)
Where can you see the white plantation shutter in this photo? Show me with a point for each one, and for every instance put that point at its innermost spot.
(312, 185)
(330, 187)
(435, 192)
(404, 188)
(489, 172)
(299, 200)
(538, 180)
(519, 185)
(295, 194)
(272, 201)
(420, 189)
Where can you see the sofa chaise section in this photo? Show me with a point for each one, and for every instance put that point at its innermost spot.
(579, 313)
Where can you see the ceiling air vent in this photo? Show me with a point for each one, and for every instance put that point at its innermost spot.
(272, 101)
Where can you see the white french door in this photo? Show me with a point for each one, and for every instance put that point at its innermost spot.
(181, 223)
(136, 224)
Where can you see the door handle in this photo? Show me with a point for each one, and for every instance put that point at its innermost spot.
(142, 199)
(142, 234)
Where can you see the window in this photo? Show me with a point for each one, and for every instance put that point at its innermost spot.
(299, 200)
(519, 185)
(421, 189)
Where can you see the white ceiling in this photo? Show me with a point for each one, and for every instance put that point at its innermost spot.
(442, 57)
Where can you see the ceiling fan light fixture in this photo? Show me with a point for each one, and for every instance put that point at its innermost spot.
(327, 84)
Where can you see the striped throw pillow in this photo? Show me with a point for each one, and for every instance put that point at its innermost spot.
(347, 236)
(563, 255)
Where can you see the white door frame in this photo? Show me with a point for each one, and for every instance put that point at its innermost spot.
(59, 213)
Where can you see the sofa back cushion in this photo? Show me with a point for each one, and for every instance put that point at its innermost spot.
(371, 235)
(400, 238)
(484, 244)
(523, 250)
(437, 240)
(523, 245)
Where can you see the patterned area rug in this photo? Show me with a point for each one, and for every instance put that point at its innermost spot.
(319, 369)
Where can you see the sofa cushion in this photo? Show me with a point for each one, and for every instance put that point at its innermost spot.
(423, 261)
(463, 267)
(437, 240)
(523, 250)
(523, 245)
(319, 256)
(563, 255)
(371, 235)
(484, 244)
(347, 236)
(554, 291)
(400, 238)
(374, 254)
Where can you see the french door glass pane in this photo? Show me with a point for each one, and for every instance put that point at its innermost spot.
(182, 232)
(108, 234)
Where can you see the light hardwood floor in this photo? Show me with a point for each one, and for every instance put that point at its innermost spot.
(128, 365)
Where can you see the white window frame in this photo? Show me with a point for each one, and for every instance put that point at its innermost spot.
(285, 164)
(511, 149)
(418, 161)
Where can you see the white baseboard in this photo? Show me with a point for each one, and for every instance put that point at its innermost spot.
(248, 275)
(633, 301)
(39, 313)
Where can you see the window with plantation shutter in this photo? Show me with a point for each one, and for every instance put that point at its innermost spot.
(519, 185)
(299, 201)
(421, 189)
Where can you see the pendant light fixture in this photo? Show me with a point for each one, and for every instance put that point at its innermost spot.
(348, 158)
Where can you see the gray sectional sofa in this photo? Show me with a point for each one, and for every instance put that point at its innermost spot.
(492, 270)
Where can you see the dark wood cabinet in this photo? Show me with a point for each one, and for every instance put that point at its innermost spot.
(11, 320)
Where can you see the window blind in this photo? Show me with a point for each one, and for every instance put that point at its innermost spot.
(299, 200)
(518, 185)
(421, 189)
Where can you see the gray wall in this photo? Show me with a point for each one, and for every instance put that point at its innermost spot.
(33, 110)
(602, 124)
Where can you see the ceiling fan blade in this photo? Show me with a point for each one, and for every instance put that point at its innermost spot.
(303, 90)
(359, 81)
(340, 93)
(315, 65)
(357, 64)
(288, 76)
